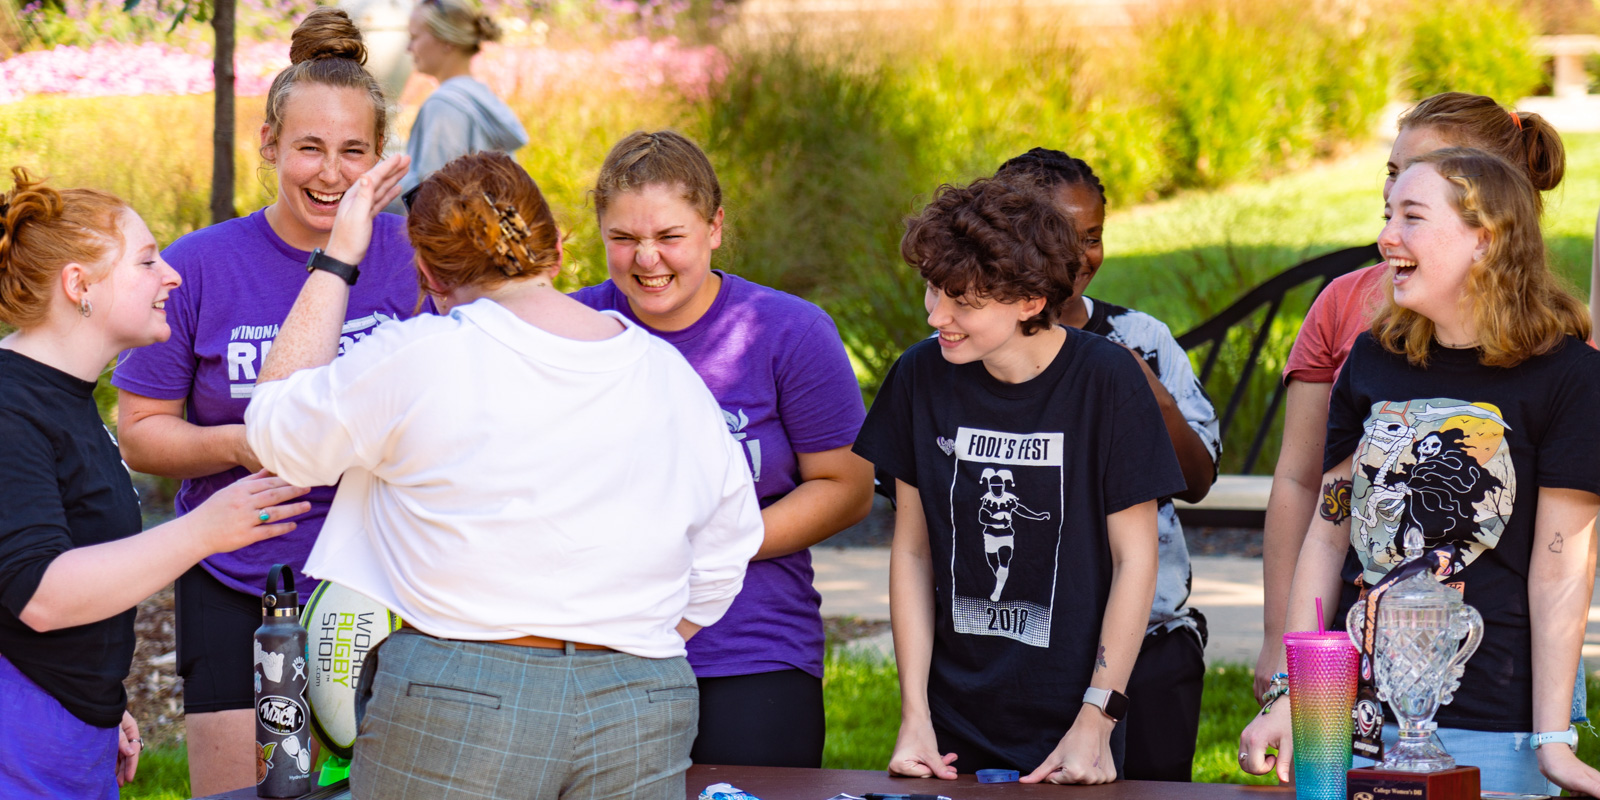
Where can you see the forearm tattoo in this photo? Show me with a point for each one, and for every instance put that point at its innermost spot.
(1335, 506)
(1100, 660)
(1557, 543)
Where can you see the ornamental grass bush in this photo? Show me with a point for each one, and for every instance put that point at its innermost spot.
(1477, 46)
(1247, 87)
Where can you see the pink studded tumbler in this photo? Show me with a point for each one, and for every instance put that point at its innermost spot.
(1322, 690)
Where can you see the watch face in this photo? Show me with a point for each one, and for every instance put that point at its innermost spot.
(1116, 706)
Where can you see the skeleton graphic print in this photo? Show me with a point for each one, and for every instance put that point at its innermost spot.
(1428, 474)
(1005, 504)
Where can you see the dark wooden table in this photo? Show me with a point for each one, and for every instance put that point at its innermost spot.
(773, 783)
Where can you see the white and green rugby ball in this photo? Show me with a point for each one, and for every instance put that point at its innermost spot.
(342, 626)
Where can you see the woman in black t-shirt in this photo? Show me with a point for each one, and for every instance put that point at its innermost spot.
(1463, 426)
(1027, 461)
(81, 279)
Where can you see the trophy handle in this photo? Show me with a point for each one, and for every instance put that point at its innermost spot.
(1354, 623)
(1469, 618)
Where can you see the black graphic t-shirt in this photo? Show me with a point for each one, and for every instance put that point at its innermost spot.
(1016, 481)
(1453, 456)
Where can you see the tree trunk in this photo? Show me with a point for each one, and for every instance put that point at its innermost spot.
(222, 117)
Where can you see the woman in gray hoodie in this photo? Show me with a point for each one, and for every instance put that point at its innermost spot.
(463, 115)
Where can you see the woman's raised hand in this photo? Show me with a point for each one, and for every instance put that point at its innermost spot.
(248, 511)
(352, 224)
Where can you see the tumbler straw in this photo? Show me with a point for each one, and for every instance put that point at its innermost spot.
(1321, 628)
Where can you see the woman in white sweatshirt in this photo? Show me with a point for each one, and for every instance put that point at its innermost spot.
(546, 494)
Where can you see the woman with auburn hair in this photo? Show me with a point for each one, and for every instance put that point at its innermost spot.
(779, 371)
(81, 280)
(1463, 428)
(462, 115)
(181, 402)
(1346, 308)
(550, 545)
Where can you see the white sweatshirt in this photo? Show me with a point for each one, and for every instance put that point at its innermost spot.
(499, 480)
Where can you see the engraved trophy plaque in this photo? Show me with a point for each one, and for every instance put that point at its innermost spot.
(1424, 635)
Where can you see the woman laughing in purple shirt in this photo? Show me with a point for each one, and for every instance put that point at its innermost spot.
(777, 367)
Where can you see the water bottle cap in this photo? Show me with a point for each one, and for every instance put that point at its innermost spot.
(280, 602)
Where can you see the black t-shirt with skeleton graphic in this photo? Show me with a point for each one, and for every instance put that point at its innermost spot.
(1016, 481)
(1452, 455)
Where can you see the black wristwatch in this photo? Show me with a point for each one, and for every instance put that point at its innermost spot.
(327, 263)
(1111, 702)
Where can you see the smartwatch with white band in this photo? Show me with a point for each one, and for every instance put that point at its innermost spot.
(1111, 702)
(1568, 737)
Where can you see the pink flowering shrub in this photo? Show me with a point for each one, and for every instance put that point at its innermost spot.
(129, 69)
(637, 65)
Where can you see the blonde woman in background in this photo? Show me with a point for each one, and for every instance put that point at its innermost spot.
(462, 116)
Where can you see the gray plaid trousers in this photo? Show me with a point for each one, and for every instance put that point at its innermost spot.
(451, 720)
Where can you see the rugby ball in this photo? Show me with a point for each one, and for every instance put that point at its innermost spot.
(341, 627)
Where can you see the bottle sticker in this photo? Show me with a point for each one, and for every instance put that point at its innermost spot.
(280, 714)
(264, 760)
(302, 755)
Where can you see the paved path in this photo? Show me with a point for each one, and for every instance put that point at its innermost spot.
(855, 582)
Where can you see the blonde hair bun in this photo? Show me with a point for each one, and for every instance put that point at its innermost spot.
(488, 29)
(461, 23)
(327, 32)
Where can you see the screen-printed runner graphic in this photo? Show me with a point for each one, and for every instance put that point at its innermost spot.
(1005, 518)
(1429, 474)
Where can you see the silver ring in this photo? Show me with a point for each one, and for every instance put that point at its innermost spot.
(1244, 755)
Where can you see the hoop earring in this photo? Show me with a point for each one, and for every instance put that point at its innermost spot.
(85, 307)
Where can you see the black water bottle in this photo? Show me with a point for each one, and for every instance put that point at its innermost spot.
(283, 738)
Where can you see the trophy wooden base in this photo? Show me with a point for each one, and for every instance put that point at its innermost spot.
(1370, 783)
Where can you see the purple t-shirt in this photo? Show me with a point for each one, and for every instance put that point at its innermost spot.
(239, 282)
(777, 367)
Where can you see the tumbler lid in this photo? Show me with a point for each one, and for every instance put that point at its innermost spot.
(1314, 639)
(280, 602)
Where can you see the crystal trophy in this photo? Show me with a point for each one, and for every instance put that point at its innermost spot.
(1423, 638)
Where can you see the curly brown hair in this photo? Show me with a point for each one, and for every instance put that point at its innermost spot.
(993, 240)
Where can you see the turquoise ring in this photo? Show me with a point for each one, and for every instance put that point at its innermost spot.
(265, 516)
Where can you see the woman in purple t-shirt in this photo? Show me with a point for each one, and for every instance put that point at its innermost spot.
(776, 365)
(181, 402)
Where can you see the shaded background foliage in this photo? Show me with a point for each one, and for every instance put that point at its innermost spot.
(827, 138)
